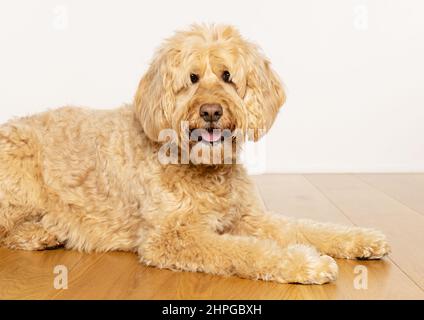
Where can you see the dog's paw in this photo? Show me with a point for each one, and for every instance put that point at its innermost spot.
(324, 271)
(306, 266)
(363, 243)
(50, 243)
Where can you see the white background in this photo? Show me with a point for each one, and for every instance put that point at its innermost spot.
(353, 69)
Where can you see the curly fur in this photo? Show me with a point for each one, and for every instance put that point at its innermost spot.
(91, 180)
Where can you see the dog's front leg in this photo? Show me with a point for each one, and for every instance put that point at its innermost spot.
(331, 239)
(195, 248)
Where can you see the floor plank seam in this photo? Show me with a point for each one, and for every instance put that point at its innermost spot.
(335, 205)
(388, 195)
(412, 280)
(261, 195)
(80, 262)
(329, 200)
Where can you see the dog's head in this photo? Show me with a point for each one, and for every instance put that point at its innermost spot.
(211, 78)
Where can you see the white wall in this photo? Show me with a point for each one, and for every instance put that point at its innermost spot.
(354, 69)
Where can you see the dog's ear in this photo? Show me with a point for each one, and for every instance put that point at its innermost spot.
(155, 99)
(264, 93)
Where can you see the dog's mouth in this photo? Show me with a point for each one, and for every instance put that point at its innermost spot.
(211, 135)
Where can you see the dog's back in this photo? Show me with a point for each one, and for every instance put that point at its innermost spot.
(56, 163)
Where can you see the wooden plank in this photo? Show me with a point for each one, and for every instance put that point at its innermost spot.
(121, 276)
(367, 206)
(111, 276)
(29, 274)
(406, 188)
(295, 196)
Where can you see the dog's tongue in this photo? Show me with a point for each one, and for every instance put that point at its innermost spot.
(213, 136)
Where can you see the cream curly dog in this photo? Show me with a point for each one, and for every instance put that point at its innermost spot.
(93, 180)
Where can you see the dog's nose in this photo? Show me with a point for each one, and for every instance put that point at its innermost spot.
(211, 112)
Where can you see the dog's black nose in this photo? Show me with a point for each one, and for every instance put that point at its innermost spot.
(211, 112)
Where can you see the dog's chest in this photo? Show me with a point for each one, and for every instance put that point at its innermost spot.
(208, 193)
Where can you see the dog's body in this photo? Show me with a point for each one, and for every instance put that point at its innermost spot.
(92, 180)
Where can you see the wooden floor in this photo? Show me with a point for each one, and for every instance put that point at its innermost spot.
(393, 203)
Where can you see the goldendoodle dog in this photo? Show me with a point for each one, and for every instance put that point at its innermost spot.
(100, 180)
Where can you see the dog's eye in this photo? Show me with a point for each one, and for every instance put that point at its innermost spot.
(226, 76)
(194, 78)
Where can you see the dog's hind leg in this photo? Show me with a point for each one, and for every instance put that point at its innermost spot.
(21, 228)
(21, 190)
(30, 235)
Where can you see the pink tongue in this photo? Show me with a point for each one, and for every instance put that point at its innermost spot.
(213, 136)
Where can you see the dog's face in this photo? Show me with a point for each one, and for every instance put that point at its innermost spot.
(209, 77)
